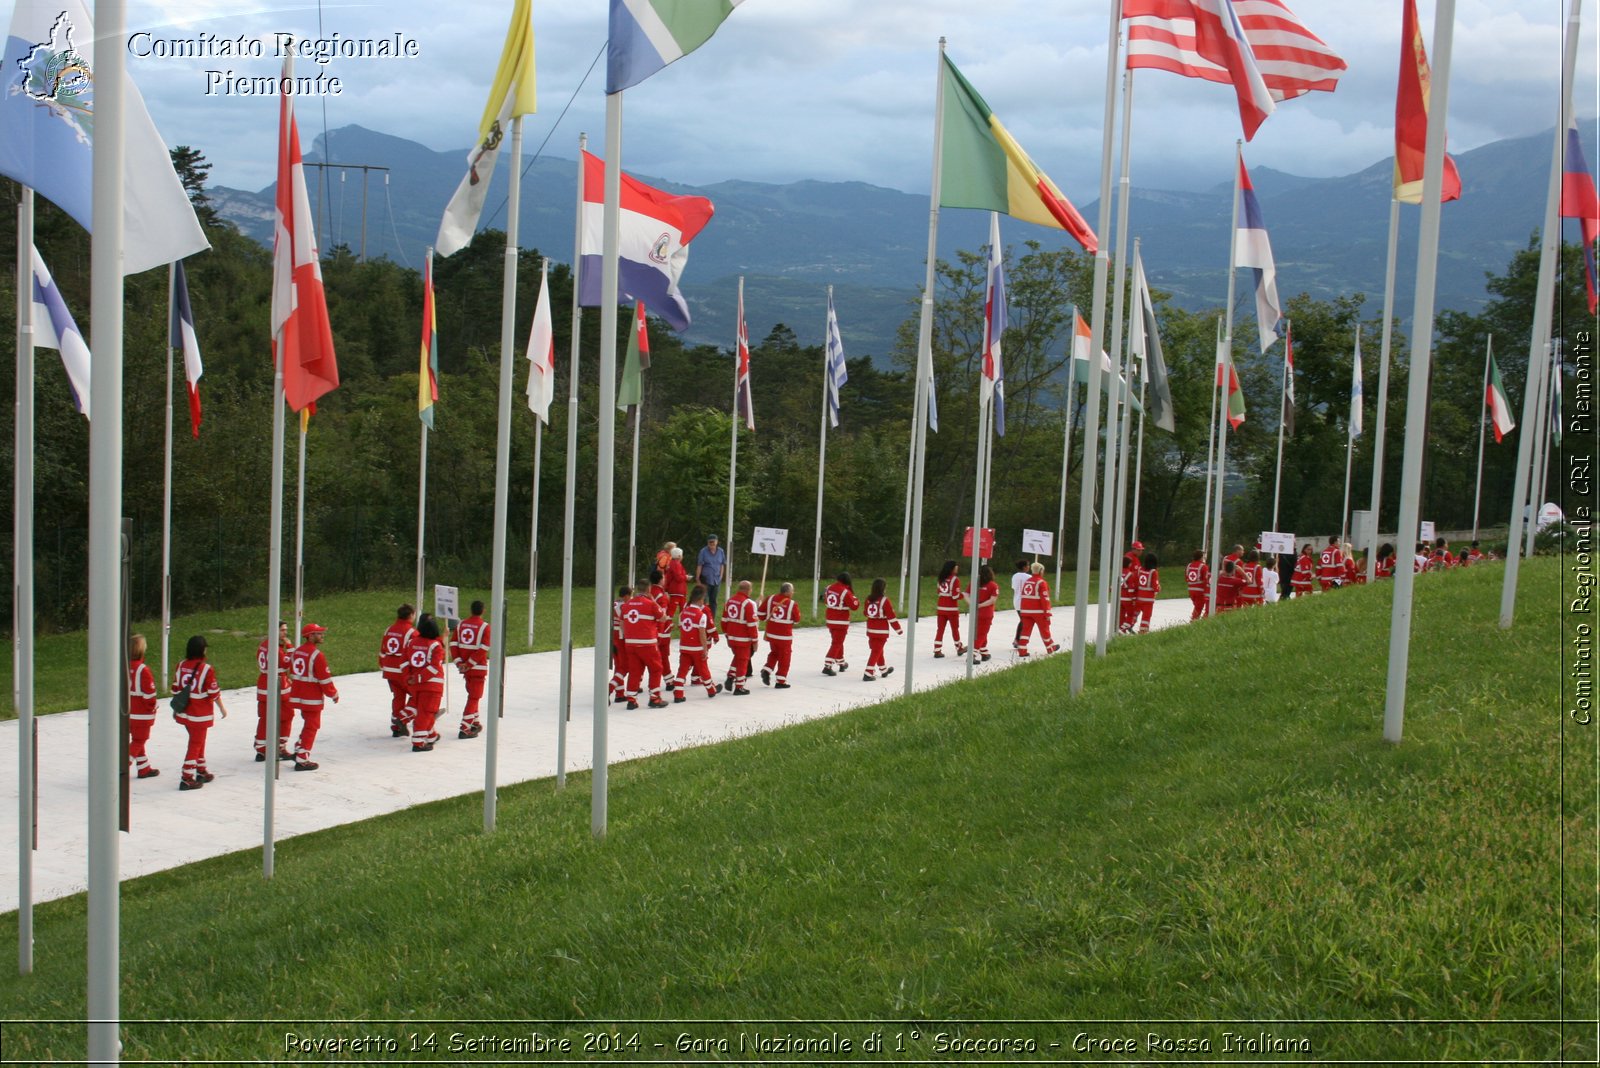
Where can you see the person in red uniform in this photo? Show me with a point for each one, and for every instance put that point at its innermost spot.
(1249, 569)
(658, 594)
(949, 609)
(310, 681)
(782, 612)
(392, 665)
(1472, 555)
(1128, 595)
(642, 618)
(619, 653)
(1354, 574)
(880, 618)
(141, 706)
(740, 617)
(425, 683)
(1386, 559)
(1305, 571)
(1230, 584)
(676, 581)
(1330, 565)
(1441, 552)
(696, 633)
(265, 663)
(1035, 610)
(472, 660)
(838, 602)
(988, 595)
(205, 700)
(1147, 586)
(1197, 575)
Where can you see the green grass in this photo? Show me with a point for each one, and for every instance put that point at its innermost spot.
(1215, 830)
(355, 621)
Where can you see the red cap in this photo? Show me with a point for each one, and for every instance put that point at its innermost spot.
(1138, 545)
(312, 628)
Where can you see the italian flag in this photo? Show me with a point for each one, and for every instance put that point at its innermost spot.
(982, 166)
(1499, 405)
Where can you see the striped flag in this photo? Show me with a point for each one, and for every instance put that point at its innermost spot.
(542, 353)
(835, 373)
(1411, 117)
(428, 351)
(1253, 249)
(1355, 391)
(992, 382)
(1235, 390)
(1499, 404)
(637, 360)
(1144, 338)
(1292, 60)
(1288, 377)
(183, 338)
(54, 328)
(646, 35)
(1580, 201)
(741, 382)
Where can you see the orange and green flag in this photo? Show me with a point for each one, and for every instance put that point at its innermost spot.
(982, 166)
(428, 375)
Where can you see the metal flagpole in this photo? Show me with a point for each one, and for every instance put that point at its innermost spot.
(979, 492)
(300, 532)
(1091, 429)
(1551, 428)
(1066, 462)
(533, 524)
(633, 492)
(1344, 513)
(569, 507)
(1383, 392)
(919, 434)
(606, 446)
(1541, 447)
(1224, 379)
(494, 691)
(1121, 497)
(822, 459)
(166, 494)
(1421, 354)
(1211, 447)
(911, 461)
(1138, 467)
(108, 677)
(422, 477)
(1283, 407)
(1477, 492)
(22, 622)
(733, 447)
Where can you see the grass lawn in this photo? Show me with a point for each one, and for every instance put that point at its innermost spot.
(1215, 831)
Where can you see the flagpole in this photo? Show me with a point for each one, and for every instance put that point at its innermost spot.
(1477, 492)
(533, 524)
(1066, 460)
(300, 532)
(919, 434)
(1383, 390)
(1421, 357)
(1225, 381)
(1138, 467)
(422, 466)
(979, 490)
(822, 460)
(633, 492)
(569, 506)
(606, 444)
(166, 495)
(911, 460)
(1211, 447)
(1541, 446)
(22, 621)
(108, 678)
(733, 447)
(1344, 514)
(1283, 407)
(1091, 430)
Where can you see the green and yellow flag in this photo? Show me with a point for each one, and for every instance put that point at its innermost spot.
(428, 374)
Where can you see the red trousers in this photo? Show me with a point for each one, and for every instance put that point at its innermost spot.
(138, 734)
(1127, 614)
(743, 649)
(644, 660)
(1146, 610)
(194, 757)
(836, 635)
(1201, 603)
(875, 644)
(985, 620)
(664, 646)
(779, 650)
(398, 699)
(310, 724)
(285, 722)
(426, 701)
(951, 620)
(1029, 622)
(692, 666)
(475, 681)
(621, 658)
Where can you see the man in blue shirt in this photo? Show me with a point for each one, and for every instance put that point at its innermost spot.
(708, 570)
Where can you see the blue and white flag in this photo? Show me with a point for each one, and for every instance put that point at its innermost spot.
(992, 382)
(646, 35)
(53, 328)
(834, 374)
(1355, 392)
(1251, 248)
(47, 135)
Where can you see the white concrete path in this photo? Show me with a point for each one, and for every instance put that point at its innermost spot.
(365, 772)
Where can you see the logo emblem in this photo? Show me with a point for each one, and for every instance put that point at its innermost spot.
(55, 75)
(658, 251)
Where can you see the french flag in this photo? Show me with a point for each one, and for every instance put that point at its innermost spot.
(653, 247)
(1580, 201)
(992, 385)
(184, 339)
(1252, 248)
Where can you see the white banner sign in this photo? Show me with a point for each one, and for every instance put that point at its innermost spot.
(1550, 513)
(1038, 541)
(446, 603)
(770, 541)
(1277, 542)
(1427, 534)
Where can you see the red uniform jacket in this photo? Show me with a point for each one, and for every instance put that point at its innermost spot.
(880, 616)
(1386, 567)
(1036, 596)
(262, 660)
(677, 579)
(1250, 592)
(950, 595)
(141, 691)
(659, 595)
(696, 629)
(1330, 566)
(1198, 576)
(988, 598)
(1302, 577)
(1352, 573)
(739, 619)
(310, 679)
(425, 667)
(1228, 587)
(781, 614)
(642, 619)
(203, 690)
(1148, 584)
(840, 601)
(472, 646)
(391, 651)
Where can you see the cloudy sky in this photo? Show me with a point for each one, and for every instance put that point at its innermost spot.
(843, 89)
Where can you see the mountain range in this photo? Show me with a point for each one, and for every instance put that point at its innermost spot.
(792, 240)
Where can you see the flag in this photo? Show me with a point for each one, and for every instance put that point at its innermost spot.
(1288, 377)
(982, 166)
(835, 373)
(53, 328)
(428, 352)
(512, 93)
(1144, 338)
(1355, 391)
(992, 380)
(653, 247)
(1411, 117)
(1292, 60)
(1555, 397)
(1205, 39)
(1112, 385)
(183, 338)
(1580, 201)
(302, 336)
(741, 372)
(47, 136)
(631, 391)
(542, 353)
(1252, 248)
(1499, 404)
(1235, 391)
(646, 35)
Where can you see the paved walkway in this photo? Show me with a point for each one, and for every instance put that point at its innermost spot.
(365, 772)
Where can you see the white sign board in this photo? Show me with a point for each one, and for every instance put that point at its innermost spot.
(1277, 543)
(446, 603)
(1041, 542)
(1427, 534)
(1550, 513)
(770, 541)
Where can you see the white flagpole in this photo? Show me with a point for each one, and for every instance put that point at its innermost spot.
(633, 497)
(22, 622)
(1224, 378)
(1383, 394)
(979, 492)
(166, 493)
(1549, 430)
(606, 445)
(1344, 513)
(1211, 447)
(494, 691)
(108, 676)
(1138, 466)
(1421, 356)
(911, 460)
(733, 447)
(1541, 446)
(422, 479)
(533, 524)
(1118, 410)
(1477, 491)
(822, 461)
(1283, 407)
(919, 433)
(1091, 429)
(1066, 462)
(1122, 463)
(300, 536)
(569, 506)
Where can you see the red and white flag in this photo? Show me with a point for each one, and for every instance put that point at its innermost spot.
(741, 384)
(302, 337)
(542, 353)
(185, 340)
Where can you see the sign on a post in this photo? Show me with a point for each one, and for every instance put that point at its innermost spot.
(447, 603)
(770, 541)
(1277, 542)
(985, 543)
(1041, 542)
(1427, 534)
